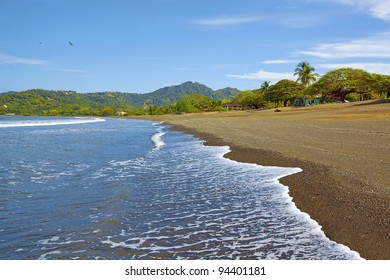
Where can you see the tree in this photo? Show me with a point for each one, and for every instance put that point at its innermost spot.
(251, 98)
(342, 82)
(283, 91)
(305, 73)
(381, 84)
(192, 103)
(107, 111)
(265, 85)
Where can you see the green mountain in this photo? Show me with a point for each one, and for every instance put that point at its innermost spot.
(171, 94)
(7, 92)
(60, 102)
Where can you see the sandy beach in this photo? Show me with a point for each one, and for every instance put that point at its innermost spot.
(343, 149)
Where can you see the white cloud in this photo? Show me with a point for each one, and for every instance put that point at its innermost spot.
(279, 61)
(262, 75)
(377, 46)
(9, 59)
(381, 10)
(226, 21)
(382, 68)
(376, 8)
(287, 20)
(67, 70)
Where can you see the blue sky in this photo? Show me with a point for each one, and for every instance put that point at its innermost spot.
(142, 45)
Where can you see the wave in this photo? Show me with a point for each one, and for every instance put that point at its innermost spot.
(50, 122)
(156, 138)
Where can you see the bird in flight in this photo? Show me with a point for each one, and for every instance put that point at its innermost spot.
(70, 43)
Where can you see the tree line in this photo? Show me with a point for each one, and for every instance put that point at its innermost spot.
(345, 84)
(68, 103)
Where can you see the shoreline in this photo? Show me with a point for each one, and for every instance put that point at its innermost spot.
(357, 217)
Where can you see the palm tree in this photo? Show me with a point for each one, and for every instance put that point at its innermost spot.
(265, 85)
(305, 73)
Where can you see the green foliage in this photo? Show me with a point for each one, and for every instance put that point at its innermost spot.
(342, 82)
(54, 103)
(381, 84)
(252, 98)
(265, 85)
(189, 97)
(283, 91)
(67, 103)
(194, 103)
(172, 94)
(190, 103)
(352, 97)
(305, 73)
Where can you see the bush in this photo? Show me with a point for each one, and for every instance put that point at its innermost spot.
(352, 97)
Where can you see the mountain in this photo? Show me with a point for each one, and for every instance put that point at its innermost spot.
(171, 94)
(7, 92)
(40, 101)
(163, 96)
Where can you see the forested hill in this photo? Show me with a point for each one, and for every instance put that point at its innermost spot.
(38, 101)
(7, 92)
(171, 94)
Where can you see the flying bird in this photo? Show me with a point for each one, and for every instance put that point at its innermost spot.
(70, 43)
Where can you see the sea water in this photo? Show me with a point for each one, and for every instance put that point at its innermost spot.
(90, 188)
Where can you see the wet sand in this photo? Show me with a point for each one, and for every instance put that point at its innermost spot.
(343, 149)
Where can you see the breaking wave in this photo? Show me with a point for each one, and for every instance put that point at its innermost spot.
(157, 138)
(129, 189)
(49, 122)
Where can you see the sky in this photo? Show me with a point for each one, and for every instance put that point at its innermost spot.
(139, 46)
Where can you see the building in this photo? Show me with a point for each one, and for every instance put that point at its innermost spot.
(303, 101)
(234, 106)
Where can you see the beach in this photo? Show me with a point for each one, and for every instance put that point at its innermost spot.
(343, 150)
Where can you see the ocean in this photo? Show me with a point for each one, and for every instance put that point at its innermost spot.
(93, 188)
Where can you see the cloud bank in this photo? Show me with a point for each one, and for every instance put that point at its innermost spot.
(372, 47)
(383, 68)
(376, 8)
(9, 59)
(262, 75)
(225, 21)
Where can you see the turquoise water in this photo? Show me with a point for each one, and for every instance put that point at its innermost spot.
(86, 188)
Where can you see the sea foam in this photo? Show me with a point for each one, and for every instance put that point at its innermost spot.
(199, 205)
(157, 138)
(127, 189)
(49, 122)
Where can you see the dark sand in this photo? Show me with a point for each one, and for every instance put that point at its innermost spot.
(343, 149)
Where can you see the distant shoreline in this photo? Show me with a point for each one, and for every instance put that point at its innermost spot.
(343, 149)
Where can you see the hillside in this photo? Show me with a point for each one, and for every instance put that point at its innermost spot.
(49, 102)
(171, 94)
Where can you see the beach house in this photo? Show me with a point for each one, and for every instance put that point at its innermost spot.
(307, 101)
